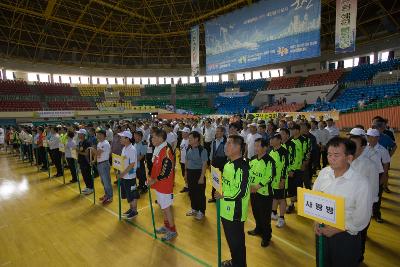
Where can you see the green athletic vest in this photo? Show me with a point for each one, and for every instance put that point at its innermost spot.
(261, 173)
(306, 142)
(235, 188)
(297, 156)
(280, 156)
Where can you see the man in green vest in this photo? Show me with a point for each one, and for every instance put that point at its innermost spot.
(280, 181)
(295, 169)
(235, 200)
(262, 171)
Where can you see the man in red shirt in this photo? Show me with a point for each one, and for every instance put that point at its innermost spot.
(162, 181)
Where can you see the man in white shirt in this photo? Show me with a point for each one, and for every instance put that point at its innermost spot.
(183, 148)
(245, 131)
(332, 129)
(343, 248)
(368, 170)
(54, 145)
(251, 139)
(384, 157)
(102, 153)
(127, 178)
(324, 137)
(172, 139)
(109, 134)
(209, 136)
(2, 138)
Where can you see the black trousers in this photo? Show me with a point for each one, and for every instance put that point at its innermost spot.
(87, 176)
(56, 157)
(149, 163)
(234, 233)
(197, 192)
(342, 250)
(36, 154)
(376, 208)
(42, 157)
(207, 146)
(324, 155)
(71, 166)
(307, 176)
(262, 207)
(141, 175)
(363, 240)
(182, 169)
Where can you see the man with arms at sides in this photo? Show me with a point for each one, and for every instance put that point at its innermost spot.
(295, 171)
(184, 145)
(235, 200)
(368, 170)
(129, 190)
(218, 154)
(262, 171)
(343, 248)
(280, 181)
(162, 181)
(196, 165)
(382, 156)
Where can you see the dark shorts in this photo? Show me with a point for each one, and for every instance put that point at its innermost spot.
(294, 182)
(279, 193)
(129, 190)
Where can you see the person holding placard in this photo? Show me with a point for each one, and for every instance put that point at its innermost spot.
(129, 190)
(162, 181)
(235, 200)
(343, 248)
(262, 171)
(217, 154)
(69, 147)
(102, 153)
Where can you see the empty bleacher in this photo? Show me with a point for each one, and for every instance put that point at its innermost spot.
(232, 105)
(14, 87)
(367, 71)
(54, 89)
(198, 106)
(349, 98)
(161, 103)
(24, 105)
(188, 89)
(325, 78)
(252, 85)
(277, 83)
(217, 87)
(154, 90)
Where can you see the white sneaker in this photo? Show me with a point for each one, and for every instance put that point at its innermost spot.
(274, 217)
(280, 223)
(199, 216)
(191, 213)
(88, 191)
(85, 190)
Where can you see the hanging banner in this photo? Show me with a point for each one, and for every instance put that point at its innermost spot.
(318, 115)
(194, 50)
(346, 16)
(54, 113)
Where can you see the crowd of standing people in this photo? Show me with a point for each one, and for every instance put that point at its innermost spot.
(262, 163)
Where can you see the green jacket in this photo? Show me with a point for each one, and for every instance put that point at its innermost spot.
(262, 171)
(236, 190)
(281, 159)
(297, 155)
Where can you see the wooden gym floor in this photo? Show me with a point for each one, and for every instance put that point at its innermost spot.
(46, 223)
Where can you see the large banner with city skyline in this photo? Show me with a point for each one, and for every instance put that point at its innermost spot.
(263, 33)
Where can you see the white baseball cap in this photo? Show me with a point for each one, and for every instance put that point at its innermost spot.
(312, 117)
(126, 134)
(186, 130)
(253, 124)
(288, 116)
(81, 131)
(373, 132)
(357, 131)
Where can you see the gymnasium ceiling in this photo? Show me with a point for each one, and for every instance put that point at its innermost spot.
(144, 32)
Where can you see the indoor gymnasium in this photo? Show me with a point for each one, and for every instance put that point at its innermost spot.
(227, 133)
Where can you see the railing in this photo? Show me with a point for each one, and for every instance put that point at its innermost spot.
(371, 82)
